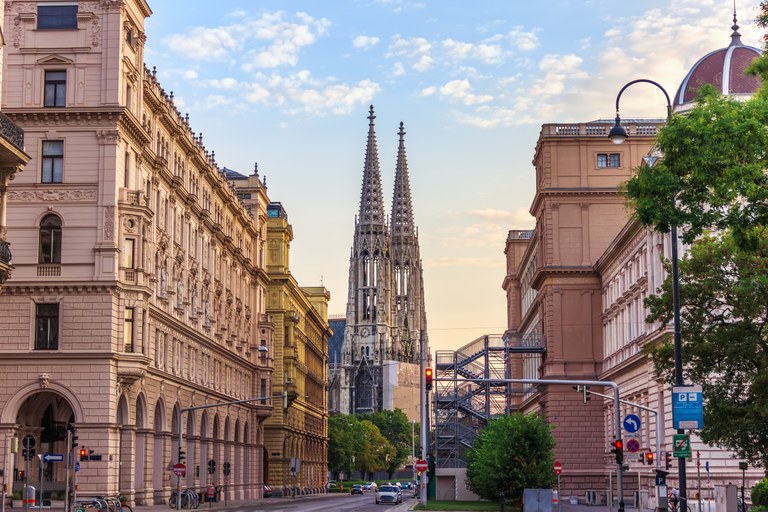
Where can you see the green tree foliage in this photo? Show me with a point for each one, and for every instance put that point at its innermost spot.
(760, 495)
(397, 429)
(376, 451)
(724, 321)
(346, 436)
(510, 454)
(712, 184)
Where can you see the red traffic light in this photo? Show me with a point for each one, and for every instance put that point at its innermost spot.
(649, 458)
(618, 444)
(428, 378)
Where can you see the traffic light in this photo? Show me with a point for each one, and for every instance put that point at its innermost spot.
(182, 456)
(618, 450)
(585, 392)
(428, 379)
(211, 467)
(649, 458)
(83, 454)
(668, 459)
(74, 437)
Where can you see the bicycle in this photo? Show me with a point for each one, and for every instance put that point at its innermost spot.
(674, 506)
(189, 499)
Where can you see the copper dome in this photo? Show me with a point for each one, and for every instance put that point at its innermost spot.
(724, 69)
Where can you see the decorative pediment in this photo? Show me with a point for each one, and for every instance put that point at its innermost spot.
(55, 59)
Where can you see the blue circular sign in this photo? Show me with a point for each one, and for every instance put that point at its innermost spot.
(631, 423)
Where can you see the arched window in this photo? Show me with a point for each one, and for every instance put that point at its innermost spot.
(50, 239)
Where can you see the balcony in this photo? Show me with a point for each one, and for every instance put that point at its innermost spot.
(5, 261)
(11, 132)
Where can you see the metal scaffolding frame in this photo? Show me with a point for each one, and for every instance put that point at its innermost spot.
(462, 407)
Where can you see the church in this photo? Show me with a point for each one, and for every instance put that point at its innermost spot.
(375, 365)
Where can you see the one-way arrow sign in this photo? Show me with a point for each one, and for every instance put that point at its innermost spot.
(53, 457)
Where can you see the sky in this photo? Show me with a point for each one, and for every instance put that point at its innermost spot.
(287, 84)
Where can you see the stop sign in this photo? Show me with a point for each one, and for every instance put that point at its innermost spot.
(421, 465)
(558, 467)
(179, 470)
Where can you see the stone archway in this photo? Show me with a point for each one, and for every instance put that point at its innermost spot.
(45, 417)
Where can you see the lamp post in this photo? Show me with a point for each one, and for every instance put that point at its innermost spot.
(618, 135)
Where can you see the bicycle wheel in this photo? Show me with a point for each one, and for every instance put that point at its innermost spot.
(172, 501)
(124, 507)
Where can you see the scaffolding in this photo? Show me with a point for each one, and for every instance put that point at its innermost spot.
(462, 407)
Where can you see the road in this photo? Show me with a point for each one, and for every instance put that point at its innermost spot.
(329, 503)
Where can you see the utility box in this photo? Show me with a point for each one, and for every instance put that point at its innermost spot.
(537, 500)
(726, 498)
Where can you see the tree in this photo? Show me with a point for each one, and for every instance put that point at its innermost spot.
(510, 454)
(397, 429)
(376, 451)
(712, 183)
(346, 436)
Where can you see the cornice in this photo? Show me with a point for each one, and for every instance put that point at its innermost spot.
(133, 127)
(63, 117)
(551, 271)
(555, 193)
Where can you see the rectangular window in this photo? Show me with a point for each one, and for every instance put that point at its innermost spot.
(55, 89)
(57, 17)
(128, 330)
(608, 160)
(53, 161)
(47, 328)
(129, 253)
(263, 392)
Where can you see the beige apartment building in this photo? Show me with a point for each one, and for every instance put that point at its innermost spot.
(139, 288)
(579, 280)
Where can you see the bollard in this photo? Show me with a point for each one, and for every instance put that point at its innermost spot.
(501, 500)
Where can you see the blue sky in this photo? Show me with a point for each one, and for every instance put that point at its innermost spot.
(288, 83)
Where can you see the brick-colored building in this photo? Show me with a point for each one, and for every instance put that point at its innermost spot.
(139, 287)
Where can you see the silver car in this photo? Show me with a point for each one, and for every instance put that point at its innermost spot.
(389, 494)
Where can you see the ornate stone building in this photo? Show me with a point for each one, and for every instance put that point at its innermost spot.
(380, 356)
(300, 316)
(139, 290)
(580, 279)
(12, 160)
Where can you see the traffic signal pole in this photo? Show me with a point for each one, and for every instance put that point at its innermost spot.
(424, 426)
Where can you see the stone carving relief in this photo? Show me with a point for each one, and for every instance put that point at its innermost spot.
(52, 195)
(44, 380)
(109, 222)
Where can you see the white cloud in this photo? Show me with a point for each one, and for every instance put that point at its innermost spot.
(417, 49)
(204, 43)
(524, 40)
(458, 50)
(190, 74)
(398, 69)
(365, 42)
(223, 83)
(429, 91)
(461, 90)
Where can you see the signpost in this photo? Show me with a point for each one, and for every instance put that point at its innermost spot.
(53, 457)
(682, 445)
(421, 465)
(633, 445)
(632, 423)
(687, 408)
(558, 468)
(180, 470)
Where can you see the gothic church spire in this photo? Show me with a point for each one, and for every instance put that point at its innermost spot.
(402, 209)
(371, 216)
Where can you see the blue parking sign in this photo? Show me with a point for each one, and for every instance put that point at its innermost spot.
(687, 407)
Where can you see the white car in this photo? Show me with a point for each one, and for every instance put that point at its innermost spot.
(389, 494)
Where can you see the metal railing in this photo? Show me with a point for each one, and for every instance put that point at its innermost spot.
(11, 131)
(5, 251)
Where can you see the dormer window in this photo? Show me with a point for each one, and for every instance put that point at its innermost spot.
(57, 17)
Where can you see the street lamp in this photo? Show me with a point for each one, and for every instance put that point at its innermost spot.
(618, 135)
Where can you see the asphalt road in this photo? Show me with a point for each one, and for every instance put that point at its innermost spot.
(328, 503)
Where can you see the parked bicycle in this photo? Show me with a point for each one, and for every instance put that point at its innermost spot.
(189, 499)
(102, 504)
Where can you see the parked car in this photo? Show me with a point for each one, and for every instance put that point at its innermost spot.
(356, 489)
(267, 491)
(389, 494)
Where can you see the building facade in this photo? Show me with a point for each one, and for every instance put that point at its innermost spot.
(385, 326)
(12, 160)
(296, 443)
(139, 294)
(580, 279)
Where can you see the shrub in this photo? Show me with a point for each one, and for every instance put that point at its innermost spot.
(760, 494)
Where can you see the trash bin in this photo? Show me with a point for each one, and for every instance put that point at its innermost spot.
(30, 496)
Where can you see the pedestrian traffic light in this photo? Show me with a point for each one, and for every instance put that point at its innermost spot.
(668, 459)
(649, 458)
(83, 454)
(211, 466)
(428, 379)
(618, 450)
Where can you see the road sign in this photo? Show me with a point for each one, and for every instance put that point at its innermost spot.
(180, 470)
(558, 468)
(661, 479)
(632, 423)
(687, 407)
(53, 457)
(682, 446)
(633, 446)
(28, 441)
(421, 465)
(77, 467)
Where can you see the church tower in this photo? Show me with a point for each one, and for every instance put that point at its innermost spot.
(385, 310)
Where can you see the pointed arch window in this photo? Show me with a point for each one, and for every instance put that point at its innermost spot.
(50, 239)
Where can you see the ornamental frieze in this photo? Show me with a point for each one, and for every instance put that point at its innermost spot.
(52, 195)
